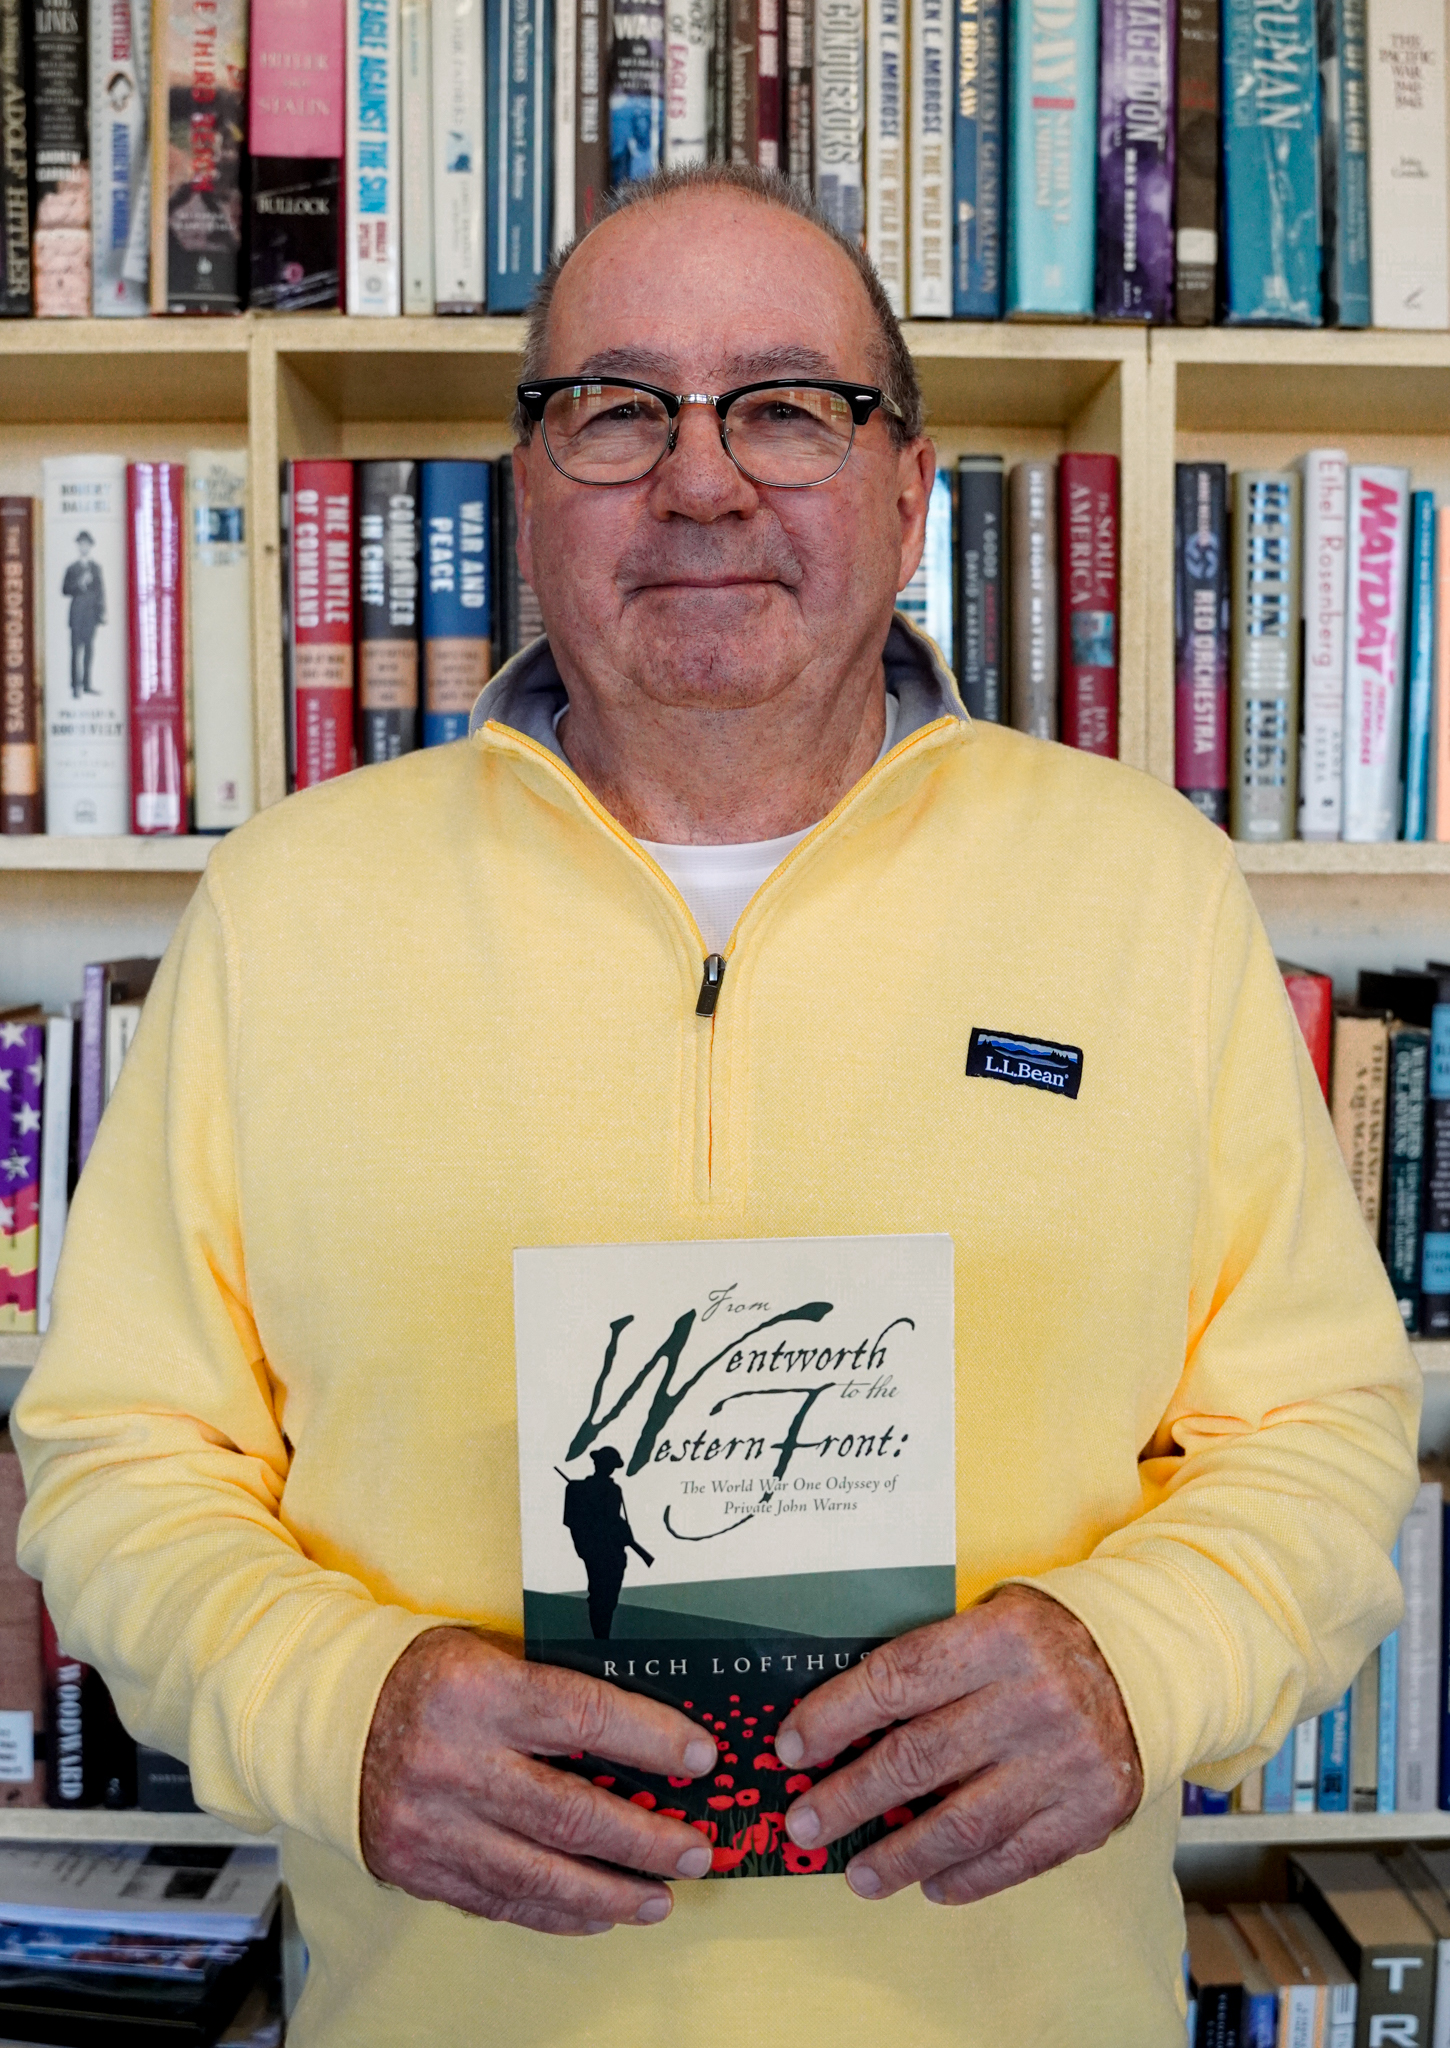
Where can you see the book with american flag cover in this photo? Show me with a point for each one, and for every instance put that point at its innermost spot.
(22, 1069)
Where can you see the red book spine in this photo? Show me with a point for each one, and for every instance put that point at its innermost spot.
(767, 57)
(1312, 999)
(1087, 510)
(154, 498)
(322, 604)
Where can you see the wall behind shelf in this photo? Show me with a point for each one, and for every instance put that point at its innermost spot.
(53, 923)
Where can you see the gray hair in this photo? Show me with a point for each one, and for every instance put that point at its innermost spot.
(893, 365)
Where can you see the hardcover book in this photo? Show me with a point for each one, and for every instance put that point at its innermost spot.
(980, 596)
(1201, 637)
(1271, 164)
(1364, 1710)
(839, 65)
(21, 805)
(219, 616)
(1311, 998)
(1359, 1075)
(87, 763)
(1407, 164)
(1264, 668)
(1417, 1782)
(769, 127)
(1344, 140)
(636, 126)
(591, 100)
(457, 595)
(1406, 1104)
(320, 612)
(22, 1071)
(1440, 728)
(1087, 507)
(1374, 692)
(155, 510)
(372, 200)
(520, 210)
(1326, 541)
(15, 293)
(120, 154)
(744, 83)
(797, 96)
(929, 206)
(1389, 1709)
(22, 1765)
(55, 1156)
(517, 615)
(1052, 160)
(108, 985)
(387, 609)
(566, 121)
(458, 146)
(198, 138)
(679, 1542)
(1332, 1792)
(688, 41)
(886, 188)
(1135, 161)
(296, 144)
(1032, 533)
(415, 118)
(977, 139)
(927, 598)
(1420, 664)
(91, 1760)
(1435, 1185)
(60, 163)
(1195, 175)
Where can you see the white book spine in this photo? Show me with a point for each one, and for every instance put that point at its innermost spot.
(219, 613)
(87, 702)
(1342, 2001)
(374, 269)
(458, 154)
(1374, 688)
(1407, 164)
(1301, 2015)
(1440, 2029)
(687, 82)
(54, 1158)
(415, 94)
(838, 97)
(120, 40)
(886, 147)
(566, 120)
(1417, 1762)
(1326, 551)
(1306, 1765)
(929, 207)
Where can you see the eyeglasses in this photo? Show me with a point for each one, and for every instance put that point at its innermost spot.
(790, 435)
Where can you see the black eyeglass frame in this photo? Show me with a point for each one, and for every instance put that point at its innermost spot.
(863, 399)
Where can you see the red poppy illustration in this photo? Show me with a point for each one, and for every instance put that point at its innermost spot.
(803, 1862)
(799, 1783)
(731, 1757)
(728, 1859)
(606, 1782)
(708, 1829)
(679, 1783)
(767, 1762)
(724, 1779)
(720, 1801)
(672, 1813)
(749, 1797)
(641, 1799)
(897, 1816)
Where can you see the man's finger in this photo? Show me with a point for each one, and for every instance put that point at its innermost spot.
(967, 1825)
(505, 1866)
(554, 1712)
(579, 1819)
(913, 1675)
(1039, 1844)
(908, 1763)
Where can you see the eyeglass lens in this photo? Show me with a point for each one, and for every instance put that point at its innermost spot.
(614, 433)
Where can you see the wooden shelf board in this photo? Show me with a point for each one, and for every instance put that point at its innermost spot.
(44, 854)
(93, 1824)
(1294, 1830)
(1333, 857)
(1245, 381)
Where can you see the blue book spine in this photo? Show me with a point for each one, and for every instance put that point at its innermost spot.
(457, 595)
(520, 149)
(1271, 186)
(1261, 2019)
(1332, 1795)
(637, 91)
(1052, 123)
(1279, 1778)
(1420, 664)
(1214, 1802)
(1344, 141)
(977, 161)
(1389, 1710)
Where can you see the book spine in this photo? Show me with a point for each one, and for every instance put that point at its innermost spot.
(458, 157)
(1264, 670)
(1359, 1077)
(1087, 503)
(22, 1068)
(87, 765)
(91, 1761)
(1389, 1715)
(636, 126)
(929, 206)
(1306, 1765)
(154, 508)
(566, 121)
(1201, 637)
(591, 101)
(22, 1678)
(1250, 1795)
(1135, 161)
(21, 807)
(201, 71)
(1374, 655)
(768, 119)
(91, 1077)
(219, 618)
(1440, 716)
(60, 164)
(1279, 1779)
(1052, 161)
(163, 1783)
(416, 58)
(1032, 583)
(979, 603)
(977, 135)
(1311, 997)
(721, 14)
(387, 609)
(744, 83)
(1406, 1109)
(518, 70)
(1417, 1781)
(321, 608)
(1332, 1792)
(296, 144)
(15, 294)
(1435, 1186)
(1442, 1992)
(1195, 170)
(798, 95)
(927, 598)
(520, 619)
(457, 603)
(1344, 140)
(1326, 532)
(1420, 665)
(1407, 164)
(886, 147)
(120, 39)
(55, 1137)
(1271, 164)
(1364, 1702)
(839, 56)
(372, 199)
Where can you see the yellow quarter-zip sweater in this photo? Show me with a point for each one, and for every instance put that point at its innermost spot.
(432, 1012)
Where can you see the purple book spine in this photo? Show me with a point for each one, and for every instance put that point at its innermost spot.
(1135, 161)
(92, 1090)
(22, 1066)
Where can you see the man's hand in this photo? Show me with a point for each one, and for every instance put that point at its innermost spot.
(1008, 1705)
(455, 1805)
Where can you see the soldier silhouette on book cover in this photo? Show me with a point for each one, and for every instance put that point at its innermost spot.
(594, 1515)
(86, 589)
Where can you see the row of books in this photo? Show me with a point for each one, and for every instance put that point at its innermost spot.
(1312, 650)
(392, 156)
(130, 594)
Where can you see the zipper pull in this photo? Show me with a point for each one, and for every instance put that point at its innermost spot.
(711, 983)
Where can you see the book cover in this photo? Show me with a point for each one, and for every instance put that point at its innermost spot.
(1195, 167)
(22, 1071)
(1435, 1185)
(387, 609)
(1201, 636)
(793, 1545)
(1364, 1710)
(457, 603)
(1135, 161)
(518, 619)
(1344, 141)
(87, 762)
(1052, 160)
(1306, 1765)
(219, 619)
(60, 162)
(1359, 1080)
(163, 1783)
(1417, 1781)
(927, 599)
(1032, 587)
(929, 208)
(320, 607)
(372, 202)
(1439, 827)
(120, 38)
(55, 1151)
(106, 983)
(980, 592)
(839, 66)
(155, 511)
(1389, 1713)
(886, 172)
(636, 125)
(1332, 1791)
(566, 121)
(90, 1759)
(721, 12)
(416, 59)
(1326, 568)
(593, 60)
(1406, 1106)
(22, 1766)
(978, 124)
(1374, 693)
(1264, 656)
(458, 145)
(744, 82)
(1311, 997)
(1087, 505)
(1407, 164)
(1420, 664)
(1279, 1778)
(769, 124)
(199, 116)
(21, 805)
(1271, 164)
(520, 210)
(296, 143)
(15, 294)
(798, 96)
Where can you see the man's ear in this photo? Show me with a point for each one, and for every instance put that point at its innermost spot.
(524, 516)
(915, 475)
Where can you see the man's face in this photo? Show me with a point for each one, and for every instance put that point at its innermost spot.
(696, 586)
(83, 549)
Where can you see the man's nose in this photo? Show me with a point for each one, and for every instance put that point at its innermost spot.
(697, 479)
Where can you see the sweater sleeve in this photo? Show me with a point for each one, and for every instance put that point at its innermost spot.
(1257, 1578)
(156, 1461)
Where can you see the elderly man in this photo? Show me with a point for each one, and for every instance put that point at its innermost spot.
(689, 941)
